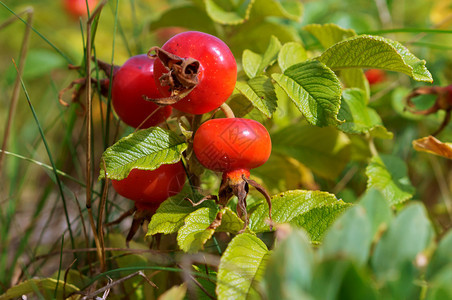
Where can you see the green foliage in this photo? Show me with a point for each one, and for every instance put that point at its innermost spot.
(145, 149)
(314, 89)
(376, 52)
(343, 177)
(242, 265)
(388, 174)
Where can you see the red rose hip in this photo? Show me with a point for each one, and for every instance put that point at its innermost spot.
(131, 84)
(150, 188)
(225, 145)
(196, 71)
(233, 146)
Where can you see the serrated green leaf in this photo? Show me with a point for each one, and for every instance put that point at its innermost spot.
(46, 288)
(239, 104)
(349, 237)
(171, 214)
(358, 117)
(291, 54)
(329, 34)
(325, 151)
(242, 265)
(388, 174)
(314, 89)
(288, 9)
(408, 235)
(186, 16)
(255, 64)
(290, 268)
(378, 210)
(233, 15)
(260, 92)
(366, 51)
(317, 220)
(289, 205)
(196, 232)
(230, 222)
(270, 55)
(145, 149)
(442, 256)
(251, 62)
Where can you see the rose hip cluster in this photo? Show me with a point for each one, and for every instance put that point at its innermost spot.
(193, 73)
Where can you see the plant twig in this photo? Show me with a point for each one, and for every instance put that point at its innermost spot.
(16, 89)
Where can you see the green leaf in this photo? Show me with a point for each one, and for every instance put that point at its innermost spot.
(317, 220)
(325, 151)
(290, 268)
(289, 205)
(366, 51)
(359, 118)
(389, 175)
(440, 287)
(378, 211)
(242, 265)
(342, 279)
(315, 90)
(196, 232)
(260, 92)
(230, 222)
(329, 34)
(349, 237)
(355, 78)
(442, 256)
(251, 62)
(254, 64)
(408, 235)
(282, 173)
(176, 292)
(186, 16)
(44, 287)
(171, 214)
(230, 14)
(287, 9)
(40, 62)
(145, 149)
(290, 54)
(255, 35)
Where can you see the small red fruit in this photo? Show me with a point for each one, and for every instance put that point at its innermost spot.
(196, 70)
(225, 145)
(375, 76)
(77, 8)
(233, 146)
(150, 188)
(131, 84)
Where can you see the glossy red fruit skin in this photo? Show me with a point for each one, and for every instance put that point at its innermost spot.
(217, 73)
(229, 144)
(375, 76)
(77, 8)
(150, 188)
(133, 80)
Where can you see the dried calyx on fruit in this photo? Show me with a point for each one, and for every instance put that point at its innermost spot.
(443, 101)
(233, 146)
(194, 71)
